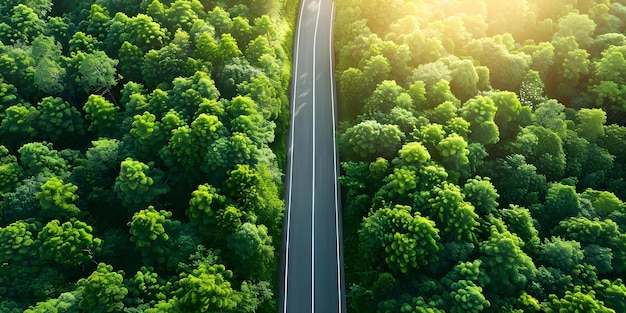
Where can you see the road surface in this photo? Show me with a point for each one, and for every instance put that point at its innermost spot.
(311, 279)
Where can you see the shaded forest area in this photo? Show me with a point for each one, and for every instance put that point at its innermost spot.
(484, 154)
(142, 153)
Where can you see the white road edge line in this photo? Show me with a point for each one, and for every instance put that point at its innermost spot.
(317, 21)
(293, 118)
(332, 99)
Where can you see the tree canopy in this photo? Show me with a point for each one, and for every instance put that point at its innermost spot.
(501, 124)
(141, 151)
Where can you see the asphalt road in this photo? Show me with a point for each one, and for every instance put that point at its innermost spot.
(312, 270)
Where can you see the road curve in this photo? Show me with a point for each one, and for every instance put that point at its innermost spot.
(311, 277)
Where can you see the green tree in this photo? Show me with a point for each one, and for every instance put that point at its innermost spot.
(57, 199)
(480, 112)
(10, 171)
(466, 296)
(543, 148)
(464, 82)
(519, 221)
(255, 192)
(38, 157)
(387, 96)
(81, 42)
(147, 134)
(8, 94)
(101, 162)
(454, 216)
(19, 242)
(412, 154)
(18, 68)
(352, 92)
(571, 64)
(241, 30)
(252, 251)
(454, 152)
(142, 31)
(146, 286)
(206, 48)
(400, 185)
(257, 48)
(576, 300)
(103, 115)
(97, 22)
(161, 66)
(227, 48)
(481, 193)
(203, 207)
(148, 229)
(189, 93)
(591, 122)
(509, 268)
(207, 288)
(578, 25)
(181, 15)
(234, 72)
(261, 90)
(130, 59)
(135, 186)
(58, 27)
(510, 114)
(605, 203)
(407, 240)
(246, 119)
(58, 120)
(532, 92)
(561, 202)
(566, 255)
(506, 70)
(103, 291)
(370, 139)
(66, 302)
(220, 19)
(97, 70)
(550, 114)
(24, 25)
(588, 231)
(19, 124)
(611, 293)
(70, 243)
(49, 76)
(601, 258)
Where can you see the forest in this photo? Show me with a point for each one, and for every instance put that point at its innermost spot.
(141, 154)
(483, 154)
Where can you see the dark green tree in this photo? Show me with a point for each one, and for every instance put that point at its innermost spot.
(58, 120)
(252, 251)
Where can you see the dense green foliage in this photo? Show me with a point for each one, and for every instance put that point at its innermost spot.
(483, 153)
(141, 152)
